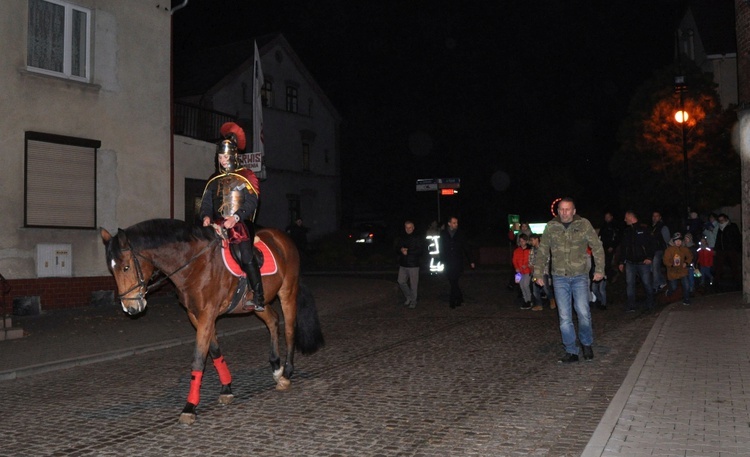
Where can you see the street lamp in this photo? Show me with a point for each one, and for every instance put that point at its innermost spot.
(681, 117)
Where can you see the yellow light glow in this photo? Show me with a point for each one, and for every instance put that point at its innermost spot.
(681, 116)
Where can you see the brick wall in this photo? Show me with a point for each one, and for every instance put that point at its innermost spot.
(63, 293)
(59, 293)
(742, 9)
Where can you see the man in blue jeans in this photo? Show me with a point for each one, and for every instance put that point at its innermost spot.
(566, 240)
(636, 252)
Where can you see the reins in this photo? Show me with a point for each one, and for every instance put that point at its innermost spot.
(142, 283)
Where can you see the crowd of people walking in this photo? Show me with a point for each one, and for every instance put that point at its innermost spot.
(569, 265)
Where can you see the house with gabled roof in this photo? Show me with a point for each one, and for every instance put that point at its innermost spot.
(300, 130)
(707, 36)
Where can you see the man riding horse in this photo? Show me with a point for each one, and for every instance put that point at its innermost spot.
(230, 200)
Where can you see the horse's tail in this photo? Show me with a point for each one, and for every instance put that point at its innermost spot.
(308, 336)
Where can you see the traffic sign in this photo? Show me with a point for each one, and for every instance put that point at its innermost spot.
(426, 184)
(449, 183)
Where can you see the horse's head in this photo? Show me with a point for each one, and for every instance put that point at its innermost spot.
(131, 275)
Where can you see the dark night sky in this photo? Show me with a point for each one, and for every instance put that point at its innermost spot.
(534, 89)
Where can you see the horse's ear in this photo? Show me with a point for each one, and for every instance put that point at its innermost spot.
(106, 236)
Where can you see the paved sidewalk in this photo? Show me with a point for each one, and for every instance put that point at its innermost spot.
(688, 390)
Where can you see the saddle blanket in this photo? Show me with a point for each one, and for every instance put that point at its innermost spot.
(268, 267)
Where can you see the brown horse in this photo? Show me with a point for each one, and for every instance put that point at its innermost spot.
(190, 256)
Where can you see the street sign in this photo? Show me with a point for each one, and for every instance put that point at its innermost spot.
(449, 183)
(426, 184)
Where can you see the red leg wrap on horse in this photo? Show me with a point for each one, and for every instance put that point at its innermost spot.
(221, 367)
(195, 387)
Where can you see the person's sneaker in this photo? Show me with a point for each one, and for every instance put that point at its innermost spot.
(569, 358)
(537, 308)
(588, 353)
(526, 305)
(631, 310)
(412, 305)
(686, 303)
(407, 303)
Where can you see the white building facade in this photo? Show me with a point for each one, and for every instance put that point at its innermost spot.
(84, 137)
(301, 138)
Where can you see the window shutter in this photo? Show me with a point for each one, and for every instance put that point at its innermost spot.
(60, 185)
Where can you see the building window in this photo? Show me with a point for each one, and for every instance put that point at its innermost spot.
(294, 207)
(59, 39)
(305, 157)
(60, 181)
(266, 94)
(291, 99)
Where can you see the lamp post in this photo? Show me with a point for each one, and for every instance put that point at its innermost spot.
(681, 117)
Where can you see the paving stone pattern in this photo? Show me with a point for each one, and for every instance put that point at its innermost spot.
(691, 399)
(480, 380)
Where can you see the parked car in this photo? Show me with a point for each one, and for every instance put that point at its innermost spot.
(367, 233)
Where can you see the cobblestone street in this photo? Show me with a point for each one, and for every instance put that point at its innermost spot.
(480, 380)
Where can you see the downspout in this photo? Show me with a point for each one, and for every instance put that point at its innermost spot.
(178, 7)
(171, 106)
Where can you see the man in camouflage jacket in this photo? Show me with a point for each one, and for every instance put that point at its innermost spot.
(565, 241)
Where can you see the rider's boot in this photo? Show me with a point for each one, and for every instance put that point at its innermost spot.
(252, 269)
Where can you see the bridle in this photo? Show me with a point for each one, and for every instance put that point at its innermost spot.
(144, 284)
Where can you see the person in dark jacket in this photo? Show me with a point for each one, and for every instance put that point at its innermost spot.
(727, 252)
(409, 251)
(609, 233)
(453, 250)
(636, 253)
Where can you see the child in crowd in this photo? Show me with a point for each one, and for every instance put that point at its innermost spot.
(523, 267)
(677, 259)
(688, 242)
(706, 263)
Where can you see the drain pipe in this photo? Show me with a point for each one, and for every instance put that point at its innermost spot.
(178, 7)
(171, 106)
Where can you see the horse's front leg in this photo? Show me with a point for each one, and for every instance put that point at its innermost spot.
(225, 377)
(204, 334)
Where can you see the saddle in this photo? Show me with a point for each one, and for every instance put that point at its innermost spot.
(262, 252)
(266, 260)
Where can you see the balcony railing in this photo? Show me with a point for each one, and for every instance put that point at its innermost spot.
(199, 123)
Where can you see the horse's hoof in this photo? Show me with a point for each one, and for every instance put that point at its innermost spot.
(226, 399)
(283, 383)
(187, 419)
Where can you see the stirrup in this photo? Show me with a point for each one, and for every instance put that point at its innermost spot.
(252, 306)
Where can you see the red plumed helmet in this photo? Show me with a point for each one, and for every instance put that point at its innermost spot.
(232, 128)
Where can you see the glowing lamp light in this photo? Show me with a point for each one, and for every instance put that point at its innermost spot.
(681, 116)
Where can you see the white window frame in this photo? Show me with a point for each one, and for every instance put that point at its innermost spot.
(59, 181)
(67, 71)
(292, 99)
(266, 93)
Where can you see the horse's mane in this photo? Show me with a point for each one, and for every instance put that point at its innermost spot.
(154, 233)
